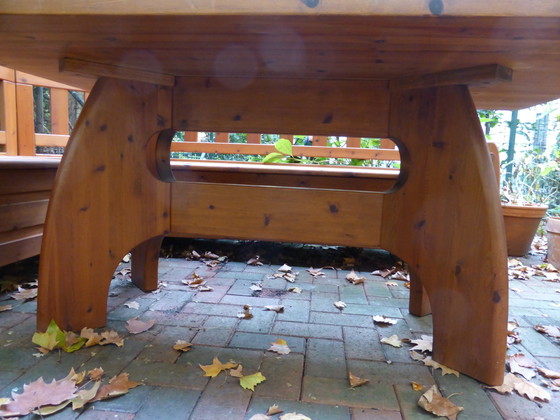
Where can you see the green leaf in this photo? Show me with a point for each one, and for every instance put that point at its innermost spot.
(249, 381)
(284, 146)
(53, 337)
(76, 346)
(273, 157)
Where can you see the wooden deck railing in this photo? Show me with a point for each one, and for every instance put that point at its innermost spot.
(19, 137)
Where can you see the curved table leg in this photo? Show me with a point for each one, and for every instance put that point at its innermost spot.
(105, 202)
(144, 263)
(444, 219)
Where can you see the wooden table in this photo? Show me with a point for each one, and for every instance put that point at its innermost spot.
(339, 67)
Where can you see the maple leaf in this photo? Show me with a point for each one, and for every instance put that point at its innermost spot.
(4, 308)
(384, 273)
(356, 381)
(132, 305)
(522, 360)
(111, 337)
(273, 409)
(96, 374)
(340, 305)
(425, 343)
(92, 337)
(25, 294)
(118, 385)
(250, 381)
(523, 371)
(280, 346)
(53, 337)
(316, 273)
(84, 396)
(275, 308)
(237, 372)
(547, 373)
(182, 345)
(216, 367)
(392, 341)
(293, 416)
(353, 278)
(416, 356)
(254, 261)
(444, 369)
(549, 330)
(72, 342)
(530, 390)
(433, 402)
(135, 326)
(382, 319)
(38, 394)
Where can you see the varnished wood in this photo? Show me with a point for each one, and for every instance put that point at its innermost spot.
(59, 111)
(92, 217)
(348, 218)
(265, 105)
(25, 124)
(31, 79)
(450, 231)
(9, 117)
(144, 264)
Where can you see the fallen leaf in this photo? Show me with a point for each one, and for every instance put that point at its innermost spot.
(118, 385)
(290, 277)
(384, 273)
(211, 255)
(416, 356)
(444, 369)
(392, 284)
(433, 402)
(126, 258)
(273, 409)
(47, 410)
(254, 261)
(508, 385)
(356, 381)
(204, 288)
(135, 326)
(4, 308)
(182, 345)
(216, 367)
(25, 294)
(246, 314)
(522, 360)
(401, 275)
(550, 330)
(340, 305)
(237, 372)
(132, 305)
(316, 273)
(280, 346)
(260, 417)
(295, 290)
(424, 343)
(256, 287)
(381, 319)
(51, 338)
(392, 341)
(275, 308)
(111, 337)
(84, 396)
(250, 381)
(531, 391)
(193, 255)
(285, 268)
(550, 374)
(353, 278)
(523, 371)
(96, 374)
(293, 416)
(38, 394)
(91, 336)
(417, 386)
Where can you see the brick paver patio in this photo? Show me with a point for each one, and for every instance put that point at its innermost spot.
(325, 344)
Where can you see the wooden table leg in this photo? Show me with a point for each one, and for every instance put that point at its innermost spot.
(445, 221)
(105, 202)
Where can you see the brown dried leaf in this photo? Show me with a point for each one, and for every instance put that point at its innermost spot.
(246, 314)
(391, 284)
(382, 319)
(550, 330)
(254, 261)
(135, 326)
(416, 356)
(531, 391)
(340, 305)
(211, 255)
(4, 308)
(424, 343)
(84, 396)
(353, 278)
(523, 371)
(444, 369)
(433, 402)
(550, 374)
(132, 305)
(293, 416)
(276, 308)
(356, 381)
(111, 337)
(96, 374)
(260, 416)
(273, 409)
(508, 385)
(25, 294)
(295, 290)
(38, 394)
(256, 287)
(193, 255)
(92, 337)
(522, 360)
(118, 385)
(384, 273)
(316, 272)
(280, 346)
(285, 268)
(237, 372)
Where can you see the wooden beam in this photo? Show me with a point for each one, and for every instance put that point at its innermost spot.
(83, 67)
(478, 75)
(335, 217)
(31, 79)
(9, 118)
(51, 140)
(25, 123)
(236, 105)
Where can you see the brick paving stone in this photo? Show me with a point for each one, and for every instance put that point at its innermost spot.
(516, 407)
(375, 289)
(167, 374)
(176, 319)
(373, 413)
(100, 414)
(552, 363)
(395, 354)
(265, 269)
(17, 359)
(313, 411)
(171, 301)
(124, 313)
(161, 347)
(393, 303)
(321, 288)
(112, 358)
(418, 324)
(283, 376)
(204, 355)
(249, 300)
(211, 309)
(213, 296)
(325, 359)
(341, 319)
(395, 373)
(9, 319)
(372, 309)
(301, 329)
(242, 276)
(128, 403)
(7, 377)
(274, 283)
(294, 310)
(467, 393)
(408, 403)
(263, 341)
(338, 392)
(353, 294)
(362, 343)
(242, 287)
(537, 343)
(236, 266)
(216, 331)
(26, 307)
(324, 302)
(260, 323)
(172, 402)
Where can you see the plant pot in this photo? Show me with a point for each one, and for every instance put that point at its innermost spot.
(521, 224)
(553, 235)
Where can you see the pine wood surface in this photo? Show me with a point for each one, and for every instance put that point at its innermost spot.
(322, 40)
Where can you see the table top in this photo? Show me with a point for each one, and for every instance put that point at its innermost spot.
(314, 39)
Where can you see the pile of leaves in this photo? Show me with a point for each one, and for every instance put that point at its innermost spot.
(44, 398)
(234, 369)
(208, 258)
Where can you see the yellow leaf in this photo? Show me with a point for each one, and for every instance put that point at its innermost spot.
(47, 410)
(216, 367)
(111, 337)
(84, 396)
(280, 346)
(417, 386)
(392, 341)
(118, 385)
(249, 381)
(182, 345)
(444, 369)
(53, 337)
(355, 381)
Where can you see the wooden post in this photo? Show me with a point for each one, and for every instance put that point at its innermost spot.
(445, 221)
(99, 208)
(25, 124)
(59, 111)
(10, 117)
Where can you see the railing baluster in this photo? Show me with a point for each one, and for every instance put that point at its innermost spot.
(59, 111)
